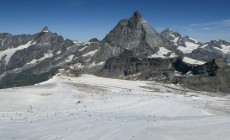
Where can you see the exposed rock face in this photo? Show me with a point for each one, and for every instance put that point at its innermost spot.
(188, 39)
(27, 53)
(183, 44)
(135, 34)
(219, 43)
(38, 46)
(215, 77)
(215, 49)
(45, 29)
(11, 41)
(173, 37)
(209, 68)
(137, 15)
(94, 40)
(128, 64)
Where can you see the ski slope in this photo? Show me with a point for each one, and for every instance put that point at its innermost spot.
(94, 108)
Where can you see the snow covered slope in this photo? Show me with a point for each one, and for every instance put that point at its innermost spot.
(192, 61)
(185, 44)
(215, 49)
(9, 52)
(189, 47)
(90, 108)
(163, 53)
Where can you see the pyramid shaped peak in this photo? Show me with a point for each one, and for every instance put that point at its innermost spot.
(45, 29)
(137, 15)
(135, 34)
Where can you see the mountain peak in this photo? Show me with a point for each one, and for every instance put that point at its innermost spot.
(137, 35)
(137, 15)
(169, 30)
(45, 29)
(170, 34)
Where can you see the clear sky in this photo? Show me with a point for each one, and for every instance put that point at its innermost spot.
(85, 19)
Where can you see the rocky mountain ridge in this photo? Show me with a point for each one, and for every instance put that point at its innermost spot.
(170, 70)
(132, 50)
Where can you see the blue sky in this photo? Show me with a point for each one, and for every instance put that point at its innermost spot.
(85, 19)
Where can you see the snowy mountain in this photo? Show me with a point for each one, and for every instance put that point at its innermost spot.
(22, 50)
(131, 50)
(215, 49)
(193, 49)
(135, 84)
(184, 44)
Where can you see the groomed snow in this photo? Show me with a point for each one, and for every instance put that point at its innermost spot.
(193, 61)
(94, 108)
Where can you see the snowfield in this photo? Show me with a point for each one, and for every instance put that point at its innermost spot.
(11, 51)
(94, 108)
(193, 61)
(189, 47)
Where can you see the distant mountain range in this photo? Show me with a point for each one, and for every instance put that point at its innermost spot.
(132, 50)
